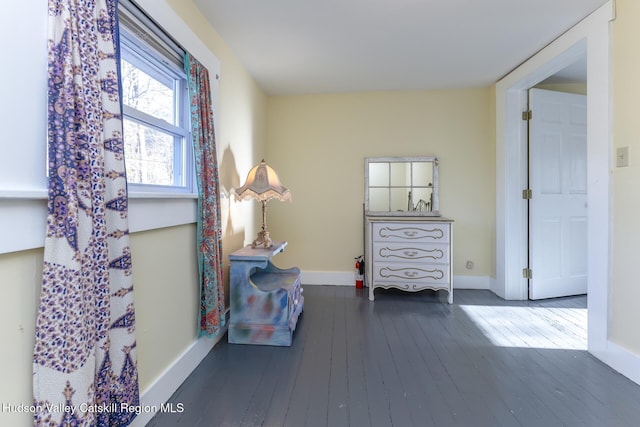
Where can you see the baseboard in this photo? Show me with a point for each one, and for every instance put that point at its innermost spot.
(493, 287)
(471, 282)
(158, 393)
(622, 360)
(337, 278)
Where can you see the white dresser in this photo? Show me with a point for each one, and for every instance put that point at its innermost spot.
(409, 253)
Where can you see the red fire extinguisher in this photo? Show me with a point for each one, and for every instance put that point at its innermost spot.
(359, 272)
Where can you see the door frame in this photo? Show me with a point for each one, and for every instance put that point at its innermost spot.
(590, 36)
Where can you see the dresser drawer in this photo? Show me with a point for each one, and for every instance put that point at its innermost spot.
(412, 274)
(411, 252)
(410, 232)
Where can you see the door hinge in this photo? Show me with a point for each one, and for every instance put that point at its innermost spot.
(527, 194)
(527, 273)
(527, 115)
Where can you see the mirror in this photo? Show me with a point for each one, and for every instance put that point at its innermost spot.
(401, 186)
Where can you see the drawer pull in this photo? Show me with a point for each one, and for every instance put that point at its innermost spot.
(411, 233)
(411, 253)
(411, 273)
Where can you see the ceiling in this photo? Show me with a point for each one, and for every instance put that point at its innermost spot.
(328, 46)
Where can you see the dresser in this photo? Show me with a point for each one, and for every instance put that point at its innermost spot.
(265, 301)
(409, 253)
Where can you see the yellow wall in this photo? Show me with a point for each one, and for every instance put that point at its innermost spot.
(317, 144)
(625, 291)
(20, 278)
(165, 279)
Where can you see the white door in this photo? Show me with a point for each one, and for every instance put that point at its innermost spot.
(558, 183)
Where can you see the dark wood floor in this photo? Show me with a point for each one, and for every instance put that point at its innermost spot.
(413, 360)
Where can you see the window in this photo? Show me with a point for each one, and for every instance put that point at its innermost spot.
(157, 147)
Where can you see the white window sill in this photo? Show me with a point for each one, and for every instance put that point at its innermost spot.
(23, 215)
(23, 194)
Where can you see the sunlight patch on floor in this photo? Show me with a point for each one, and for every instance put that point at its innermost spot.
(531, 327)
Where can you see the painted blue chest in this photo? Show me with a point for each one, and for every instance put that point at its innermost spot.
(265, 300)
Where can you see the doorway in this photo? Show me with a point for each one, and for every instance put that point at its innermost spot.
(591, 38)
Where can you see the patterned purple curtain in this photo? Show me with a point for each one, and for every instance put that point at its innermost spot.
(209, 223)
(84, 362)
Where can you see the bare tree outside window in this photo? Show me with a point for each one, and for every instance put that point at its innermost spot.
(149, 152)
(146, 94)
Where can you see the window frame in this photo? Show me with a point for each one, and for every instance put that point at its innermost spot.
(147, 47)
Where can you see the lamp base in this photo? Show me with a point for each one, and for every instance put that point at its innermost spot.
(263, 240)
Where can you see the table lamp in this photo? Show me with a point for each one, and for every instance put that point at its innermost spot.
(263, 184)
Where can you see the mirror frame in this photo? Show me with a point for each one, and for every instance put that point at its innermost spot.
(435, 208)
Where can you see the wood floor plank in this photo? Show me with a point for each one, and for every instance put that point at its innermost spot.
(222, 408)
(310, 383)
(318, 375)
(426, 403)
(338, 396)
(377, 391)
(355, 326)
(387, 369)
(443, 391)
(413, 389)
